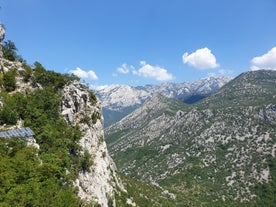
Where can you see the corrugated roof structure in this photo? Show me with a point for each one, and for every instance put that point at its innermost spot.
(23, 132)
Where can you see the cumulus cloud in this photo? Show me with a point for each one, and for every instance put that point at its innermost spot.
(84, 74)
(265, 61)
(124, 69)
(200, 59)
(155, 72)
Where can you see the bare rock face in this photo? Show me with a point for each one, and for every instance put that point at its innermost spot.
(2, 33)
(99, 183)
(2, 37)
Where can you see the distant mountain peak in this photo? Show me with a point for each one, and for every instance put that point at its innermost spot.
(122, 99)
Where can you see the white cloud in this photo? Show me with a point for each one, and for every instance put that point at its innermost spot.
(225, 72)
(201, 59)
(265, 61)
(156, 72)
(92, 75)
(142, 62)
(124, 68)
(83, 74)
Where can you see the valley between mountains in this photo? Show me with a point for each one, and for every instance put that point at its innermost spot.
(209, 143)
(120, 100)
(219, 151)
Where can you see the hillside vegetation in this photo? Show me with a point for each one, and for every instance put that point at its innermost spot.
(219, 150)
(32, 177)
(44, 174)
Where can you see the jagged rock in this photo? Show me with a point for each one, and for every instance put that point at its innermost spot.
(2, 33)
(100, 182)
(2, 37)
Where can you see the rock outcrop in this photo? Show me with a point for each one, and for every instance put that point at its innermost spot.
(98, 183)
(2, 37)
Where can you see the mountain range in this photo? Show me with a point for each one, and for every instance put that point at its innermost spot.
(208, 143)
(52, 145)
(219, 151)
(120, 100)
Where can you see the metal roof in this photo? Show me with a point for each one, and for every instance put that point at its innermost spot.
(22, 132)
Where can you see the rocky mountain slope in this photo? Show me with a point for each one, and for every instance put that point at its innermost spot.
(221, 149)
(97, 180)
(64, 161)
(81, 108)
(120, 100)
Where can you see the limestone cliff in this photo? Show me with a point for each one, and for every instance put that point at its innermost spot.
(2, 37)
(80, 107)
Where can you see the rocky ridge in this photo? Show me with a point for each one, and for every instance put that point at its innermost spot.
(120, 100)
(2, 37)
(225, 144)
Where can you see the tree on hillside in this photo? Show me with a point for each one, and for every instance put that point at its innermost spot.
(9, 51)
(9, 81)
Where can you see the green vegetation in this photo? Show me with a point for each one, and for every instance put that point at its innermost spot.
(214, 154)
(266, 192)
(85, 119)
(30, 177)
(27, 72)
(248, 89)
(50, 78)
(95, 117)
(9, 82)
(143, 194)
(25, 181)
(86, 161)
(92, 97)
(9, 51)
(44, 176)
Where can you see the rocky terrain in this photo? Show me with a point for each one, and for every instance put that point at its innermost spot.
(221, 149)
(81, 108)
(65, 161)
(120, 100)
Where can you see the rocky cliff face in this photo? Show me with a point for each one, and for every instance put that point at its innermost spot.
(2, 36)
(80, 107)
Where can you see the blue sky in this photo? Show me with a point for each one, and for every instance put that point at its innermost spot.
(140, 42)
